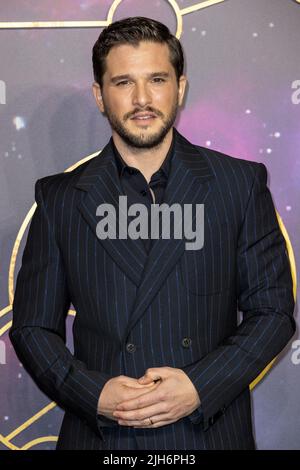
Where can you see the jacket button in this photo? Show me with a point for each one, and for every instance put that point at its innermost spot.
(186, 342)
(130, 347)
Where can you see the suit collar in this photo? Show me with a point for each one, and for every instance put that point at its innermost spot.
(191, 156)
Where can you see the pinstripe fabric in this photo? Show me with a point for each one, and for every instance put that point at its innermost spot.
(122, 295)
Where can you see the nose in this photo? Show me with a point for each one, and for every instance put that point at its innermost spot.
(141, 95)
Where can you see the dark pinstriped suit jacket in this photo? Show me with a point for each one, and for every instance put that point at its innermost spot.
(174, 308)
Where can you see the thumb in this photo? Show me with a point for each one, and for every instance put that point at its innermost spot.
(146, 379)
(134, 383)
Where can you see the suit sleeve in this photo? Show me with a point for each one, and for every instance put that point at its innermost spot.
(40, 307)
(265, 298)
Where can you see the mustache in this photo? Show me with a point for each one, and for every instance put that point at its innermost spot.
(143, 110)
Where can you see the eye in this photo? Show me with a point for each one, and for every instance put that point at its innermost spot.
(123, 82)
(155, 80)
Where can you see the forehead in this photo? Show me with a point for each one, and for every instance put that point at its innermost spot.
(145, 57)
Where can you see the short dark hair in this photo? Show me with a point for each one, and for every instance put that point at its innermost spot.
(132, 30)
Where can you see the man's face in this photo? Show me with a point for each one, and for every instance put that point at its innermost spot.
(140, 94)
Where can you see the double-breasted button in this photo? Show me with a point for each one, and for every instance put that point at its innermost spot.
(186, 342)
(130, 347)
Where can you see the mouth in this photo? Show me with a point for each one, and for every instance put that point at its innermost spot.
(143, 117)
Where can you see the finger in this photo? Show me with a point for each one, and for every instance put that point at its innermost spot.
(144, 399)
(140, 385)
(156, 373)
(155, 425)
(162, 418)
(133, 393)
(149, 377)
(140, 415)
(129, 382)
(145, 380)
(132, 389)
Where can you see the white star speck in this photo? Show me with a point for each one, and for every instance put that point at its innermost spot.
(19, 122)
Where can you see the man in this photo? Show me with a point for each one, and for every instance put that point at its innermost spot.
(160, 361)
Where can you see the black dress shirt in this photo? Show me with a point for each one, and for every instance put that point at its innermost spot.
(135, 186)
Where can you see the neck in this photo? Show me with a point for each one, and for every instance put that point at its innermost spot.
(148, 161)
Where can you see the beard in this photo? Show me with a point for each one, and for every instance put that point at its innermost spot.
(142, 139)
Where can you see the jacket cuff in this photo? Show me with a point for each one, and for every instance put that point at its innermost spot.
(196, 417)
(206, 414)
(104, 422)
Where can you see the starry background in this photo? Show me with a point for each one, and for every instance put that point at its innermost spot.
(242, 61)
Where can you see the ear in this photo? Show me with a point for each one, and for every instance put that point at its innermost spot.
(181, 88)
(98, 96)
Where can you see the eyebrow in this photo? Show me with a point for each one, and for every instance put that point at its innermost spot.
(150, 75)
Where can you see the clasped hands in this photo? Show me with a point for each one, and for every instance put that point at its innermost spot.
(164, 394)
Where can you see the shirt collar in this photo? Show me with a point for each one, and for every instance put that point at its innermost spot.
(165, 166)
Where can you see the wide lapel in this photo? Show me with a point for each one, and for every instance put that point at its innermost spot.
(188, 183)
(100, 181)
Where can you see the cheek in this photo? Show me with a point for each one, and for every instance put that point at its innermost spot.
(117, 103)
(164, 101)
(166, 98)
